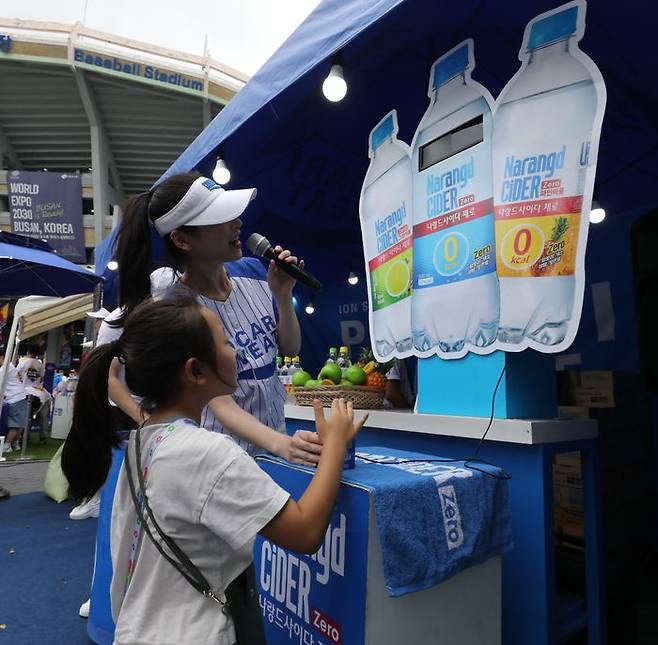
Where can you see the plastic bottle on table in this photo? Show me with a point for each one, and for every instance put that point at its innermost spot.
(294, 367)
(344, 361)
(333, 356)
(543, 148)
(455, 301)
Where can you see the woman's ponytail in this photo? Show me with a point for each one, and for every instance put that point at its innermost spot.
(87, 453)
(134, 252)
(134, 255)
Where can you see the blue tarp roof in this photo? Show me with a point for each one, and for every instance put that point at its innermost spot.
(29, 271)
(308, 157)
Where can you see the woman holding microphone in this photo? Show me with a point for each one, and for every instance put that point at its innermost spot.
(200, 224)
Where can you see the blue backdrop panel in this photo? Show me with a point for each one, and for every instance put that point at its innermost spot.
(308, 156)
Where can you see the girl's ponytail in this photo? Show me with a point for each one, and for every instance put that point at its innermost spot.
(134, 255)
(87, 453)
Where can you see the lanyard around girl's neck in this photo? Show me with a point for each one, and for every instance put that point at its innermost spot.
(179, 560)
(157, 441)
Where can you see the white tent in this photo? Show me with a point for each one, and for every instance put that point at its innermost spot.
(38, 314)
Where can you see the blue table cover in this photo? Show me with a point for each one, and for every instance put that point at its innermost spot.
(434, 519)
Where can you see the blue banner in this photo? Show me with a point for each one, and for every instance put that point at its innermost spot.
(316, 599)
(48, 206)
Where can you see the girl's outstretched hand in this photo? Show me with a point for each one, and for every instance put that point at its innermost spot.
(339, 426)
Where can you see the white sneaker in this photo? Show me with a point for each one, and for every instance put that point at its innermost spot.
(6, 448)
(90, 508)
(84, 609)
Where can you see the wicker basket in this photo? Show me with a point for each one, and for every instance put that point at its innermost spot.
(361, 396)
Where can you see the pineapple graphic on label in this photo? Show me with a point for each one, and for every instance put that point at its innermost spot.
(558, 250)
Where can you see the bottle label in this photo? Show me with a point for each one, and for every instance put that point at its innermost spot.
(390, 270)
(538, 210)
(454, 240)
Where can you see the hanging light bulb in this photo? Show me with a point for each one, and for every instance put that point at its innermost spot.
(221, 174)
(112, 265)
(334, 87)
(597, 214)
(353, 278)
(310, 308)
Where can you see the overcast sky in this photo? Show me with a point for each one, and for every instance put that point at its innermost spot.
(241, 33)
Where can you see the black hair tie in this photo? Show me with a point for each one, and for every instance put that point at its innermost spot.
(116, 351)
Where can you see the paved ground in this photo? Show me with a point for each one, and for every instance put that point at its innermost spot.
(23, 477)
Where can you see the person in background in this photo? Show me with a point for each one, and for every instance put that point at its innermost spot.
(401, 384)
(30, 368)
(57, 378)
(206, 492)
(31, 371)
(16, 400)
(59, 382)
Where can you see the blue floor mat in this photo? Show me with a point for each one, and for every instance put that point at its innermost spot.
(47, 578)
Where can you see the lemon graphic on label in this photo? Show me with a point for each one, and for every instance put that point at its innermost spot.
(397, 278)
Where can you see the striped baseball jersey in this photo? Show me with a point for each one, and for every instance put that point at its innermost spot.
(249, 317)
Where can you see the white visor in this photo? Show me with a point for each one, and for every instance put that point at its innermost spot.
(101, 313)
(205, 203)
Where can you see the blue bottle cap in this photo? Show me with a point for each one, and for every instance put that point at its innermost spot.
(382, 132)
(450, 66)
(553, 28)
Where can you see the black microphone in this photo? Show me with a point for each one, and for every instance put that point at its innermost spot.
(260, 245)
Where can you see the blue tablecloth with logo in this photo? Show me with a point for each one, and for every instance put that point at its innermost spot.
(434, 518)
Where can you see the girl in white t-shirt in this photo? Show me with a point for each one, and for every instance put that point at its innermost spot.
(201, 486)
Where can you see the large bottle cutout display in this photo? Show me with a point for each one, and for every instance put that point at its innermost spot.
(501, 198)
(385, 213)
(455, 291)
(546, 138)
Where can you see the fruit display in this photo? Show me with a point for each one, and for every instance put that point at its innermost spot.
(363, 382)
(375, 372)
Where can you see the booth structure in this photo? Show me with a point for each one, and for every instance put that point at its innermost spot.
(374, 578)
(308, 158)
(525, 449)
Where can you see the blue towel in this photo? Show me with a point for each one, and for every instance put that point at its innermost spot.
(433, 519)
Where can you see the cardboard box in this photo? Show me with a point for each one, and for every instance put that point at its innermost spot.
(600, 388)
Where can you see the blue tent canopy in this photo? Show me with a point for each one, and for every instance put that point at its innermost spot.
(308, 156)
(28, 268)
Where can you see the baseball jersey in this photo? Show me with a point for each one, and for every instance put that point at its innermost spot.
(249, 317)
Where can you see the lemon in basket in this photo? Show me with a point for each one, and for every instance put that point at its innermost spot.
(331, 372)
(299, 379)
(355, 375)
